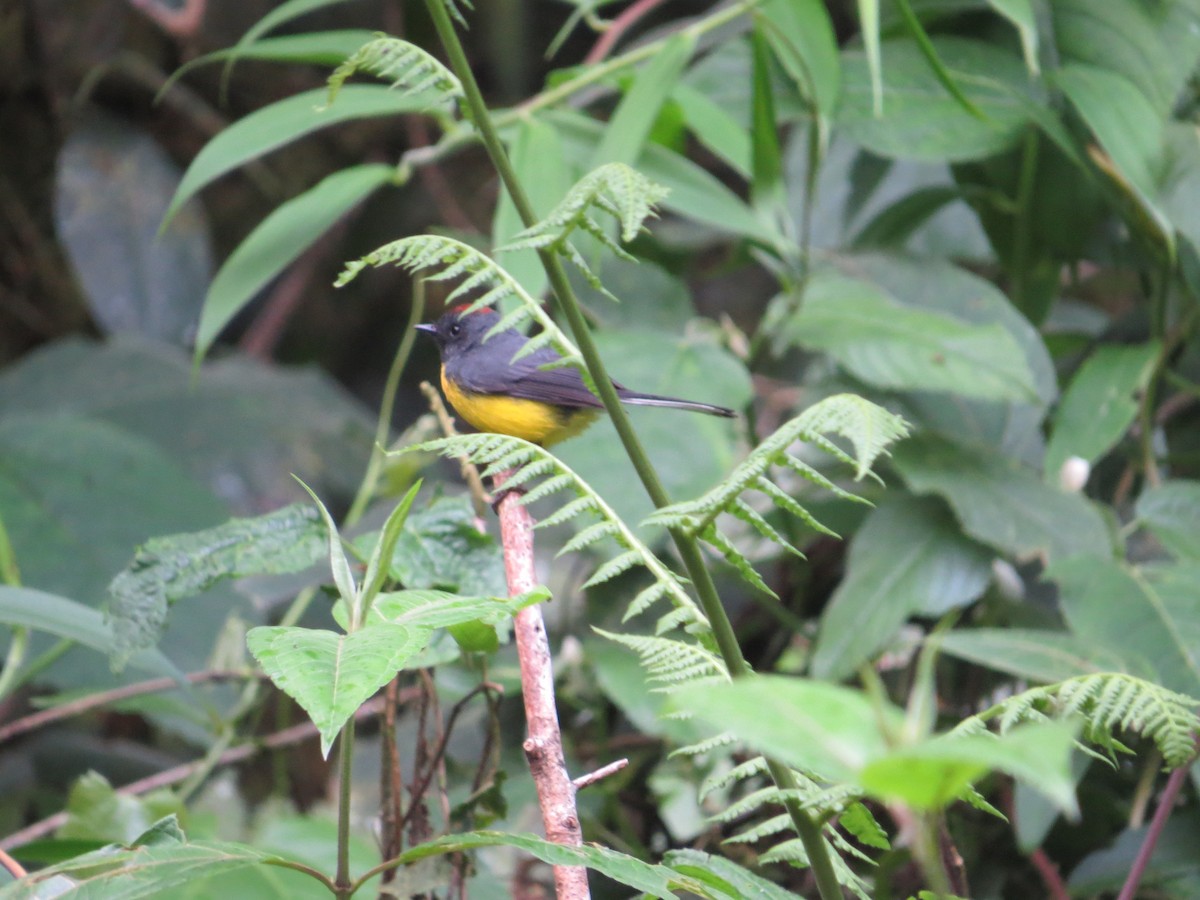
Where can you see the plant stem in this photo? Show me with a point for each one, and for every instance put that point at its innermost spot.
(1161, 814)
(366, 489)
(689, 551)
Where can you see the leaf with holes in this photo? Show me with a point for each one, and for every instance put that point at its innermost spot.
(331, 674)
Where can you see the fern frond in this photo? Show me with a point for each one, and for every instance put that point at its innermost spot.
(615, 189)
(868, 427)
(496, 453)
(749, 769)
(754, 801)
(793, 852)
(668, 661)
(764, 829)
(1108, 702)
(725, 739)
(453, 259)
(406, 65)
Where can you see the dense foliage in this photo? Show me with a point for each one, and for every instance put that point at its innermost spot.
(942, 257)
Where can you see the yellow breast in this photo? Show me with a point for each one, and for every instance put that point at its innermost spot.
(530, 420)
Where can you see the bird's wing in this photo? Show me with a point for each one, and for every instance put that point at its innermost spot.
(562, 387)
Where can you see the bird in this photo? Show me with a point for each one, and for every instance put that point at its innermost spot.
(523, 398)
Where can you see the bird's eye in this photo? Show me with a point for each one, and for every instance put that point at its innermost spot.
(455, 329)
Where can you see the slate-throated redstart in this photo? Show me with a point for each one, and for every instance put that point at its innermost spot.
(498, 394)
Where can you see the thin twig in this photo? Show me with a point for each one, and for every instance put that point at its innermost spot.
(480, 498)
(422, 785)
(1056, 888)
(603, 772)
(1165, 804)
(543, 747)
(392, 784)
(116, 695)
(15, 869)
(617, 29)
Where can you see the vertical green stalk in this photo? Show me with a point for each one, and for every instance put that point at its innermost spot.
(19, 644)
(689, 551)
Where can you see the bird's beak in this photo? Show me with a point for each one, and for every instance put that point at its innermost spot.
(427, 328)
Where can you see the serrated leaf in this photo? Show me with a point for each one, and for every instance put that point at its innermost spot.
(439, 609)
(330, 675)
(168, 569)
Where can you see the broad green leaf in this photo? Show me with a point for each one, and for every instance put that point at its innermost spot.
(51, 614)
(1120, 116)
(655, 880)
(823, 728)
(438, 609)
(1146, 615)
(116, 874)
(933, 773)
(725, 876)
(240, 430)
(926, 284)
(168, 569)
(766, 181)
(1002, 503)
(112, 184)
(920, 119)
(888, 344)
(1171, 511)
(281, 14)
(714, 127)
(440, 547)
(1020, 13)
(802, 37)
(1154, 45)
(868, 21)
(323, 48)
(628, 129)
(1100, 403)
(917, 31)
(895, 224)
(909, 557)
(537, 157)
(281, 123)
(343, 576)
(1040, 656)
(78, 496)
(278, 240)
(331, 675)
(95, 811)
(377, 571)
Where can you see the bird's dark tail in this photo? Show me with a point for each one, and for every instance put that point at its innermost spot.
(633, 398)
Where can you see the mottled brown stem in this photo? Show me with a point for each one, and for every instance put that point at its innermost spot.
(543, 746)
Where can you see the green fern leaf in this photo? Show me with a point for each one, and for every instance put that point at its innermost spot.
(497, 453)
(868, 427)
(406, 65)
(450, 259)
(1108, 702)
(614, 189)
